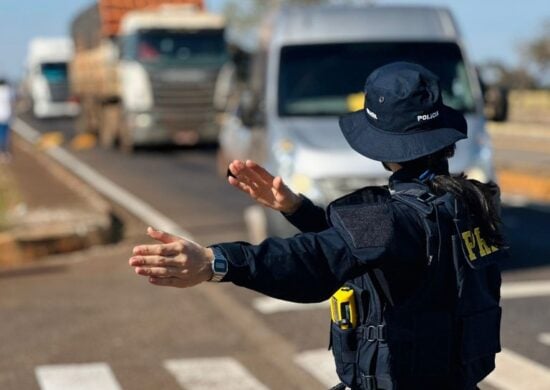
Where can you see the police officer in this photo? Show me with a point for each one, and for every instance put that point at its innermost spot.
(421, 255)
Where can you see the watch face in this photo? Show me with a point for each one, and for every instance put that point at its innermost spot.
(220, 266)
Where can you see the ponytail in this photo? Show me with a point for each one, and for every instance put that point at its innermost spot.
(480, 199)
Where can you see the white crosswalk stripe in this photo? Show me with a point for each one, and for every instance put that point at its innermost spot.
(220, 373)
(514, 371)
(93, 376)
(319, 363)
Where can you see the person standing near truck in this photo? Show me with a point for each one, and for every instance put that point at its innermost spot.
(414, 265)
(5, 119)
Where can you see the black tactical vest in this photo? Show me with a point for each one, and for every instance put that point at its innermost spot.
(447, 334)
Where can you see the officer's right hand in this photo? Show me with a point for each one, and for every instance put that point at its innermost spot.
(263, 187)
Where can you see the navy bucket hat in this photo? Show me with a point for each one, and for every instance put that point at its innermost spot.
(404, 117)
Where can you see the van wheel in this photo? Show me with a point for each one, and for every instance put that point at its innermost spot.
(256, 223)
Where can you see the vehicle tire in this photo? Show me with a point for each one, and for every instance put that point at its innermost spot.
(277, 225)
(125, 136)
(108, 126)
(262, 223)
(222, 163)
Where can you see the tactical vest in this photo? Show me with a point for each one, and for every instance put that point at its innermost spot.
(448, 331)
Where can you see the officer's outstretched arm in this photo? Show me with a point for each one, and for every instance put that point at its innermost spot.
(263, 187)
(272, 192)
(174, 261)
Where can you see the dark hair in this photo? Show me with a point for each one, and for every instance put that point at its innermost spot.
(478, 197)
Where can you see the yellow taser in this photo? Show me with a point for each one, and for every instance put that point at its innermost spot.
(343, 311)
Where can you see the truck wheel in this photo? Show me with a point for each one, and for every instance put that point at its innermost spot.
(108, 127)
(125, 137)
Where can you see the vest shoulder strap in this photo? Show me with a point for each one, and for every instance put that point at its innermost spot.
(425, 204)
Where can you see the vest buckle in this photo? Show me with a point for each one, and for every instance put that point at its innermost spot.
(376, 332)
(368, 382)
(426, 197)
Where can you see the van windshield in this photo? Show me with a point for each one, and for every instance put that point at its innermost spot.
(328, 79)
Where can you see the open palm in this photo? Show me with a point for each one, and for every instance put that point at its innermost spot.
(263, 187)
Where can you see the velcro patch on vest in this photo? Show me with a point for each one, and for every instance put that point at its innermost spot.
(367, 226)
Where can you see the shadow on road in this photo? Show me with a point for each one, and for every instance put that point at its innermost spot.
(527, 231)
(203, 147)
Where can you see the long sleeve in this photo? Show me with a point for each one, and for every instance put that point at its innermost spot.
(306, 268)
(308, 218)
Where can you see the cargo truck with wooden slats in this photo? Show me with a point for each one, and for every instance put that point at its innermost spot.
(145, 71)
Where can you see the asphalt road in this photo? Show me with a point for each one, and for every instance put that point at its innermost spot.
(89, 308)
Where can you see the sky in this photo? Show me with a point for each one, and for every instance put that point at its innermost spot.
(492, 29)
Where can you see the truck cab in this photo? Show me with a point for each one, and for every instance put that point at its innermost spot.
(46, 77)
(169, 62)
(311, 70)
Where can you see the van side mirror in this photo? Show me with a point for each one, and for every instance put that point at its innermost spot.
(496, 103)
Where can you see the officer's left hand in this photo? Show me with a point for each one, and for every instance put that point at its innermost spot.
(176, 262)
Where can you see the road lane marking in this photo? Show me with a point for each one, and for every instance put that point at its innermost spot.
(219, 373)
(514, 371)
(320, 364)
(103, 185)
(91, 376)
(544, 338)
(527, 289)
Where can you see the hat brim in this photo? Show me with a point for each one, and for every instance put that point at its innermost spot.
(381, 145)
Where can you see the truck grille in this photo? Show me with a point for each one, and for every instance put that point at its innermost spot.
(59, 92)
(183, 105)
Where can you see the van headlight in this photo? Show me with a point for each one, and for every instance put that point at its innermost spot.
(301, 183)
(283, 151)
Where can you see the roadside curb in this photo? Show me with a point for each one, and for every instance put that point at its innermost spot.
(75, 230)
(100, 184)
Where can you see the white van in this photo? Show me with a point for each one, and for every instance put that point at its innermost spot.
(46, 77)
(310, 69)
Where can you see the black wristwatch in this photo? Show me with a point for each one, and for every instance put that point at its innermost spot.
(219, 265)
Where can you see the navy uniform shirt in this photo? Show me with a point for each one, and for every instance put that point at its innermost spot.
(311, 266)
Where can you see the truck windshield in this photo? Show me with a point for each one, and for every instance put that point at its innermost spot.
(177, 47)
(55, 72)
(328, 79)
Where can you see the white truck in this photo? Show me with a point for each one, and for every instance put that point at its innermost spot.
(46, 79)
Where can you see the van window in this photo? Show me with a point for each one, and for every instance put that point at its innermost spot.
(323, 79)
